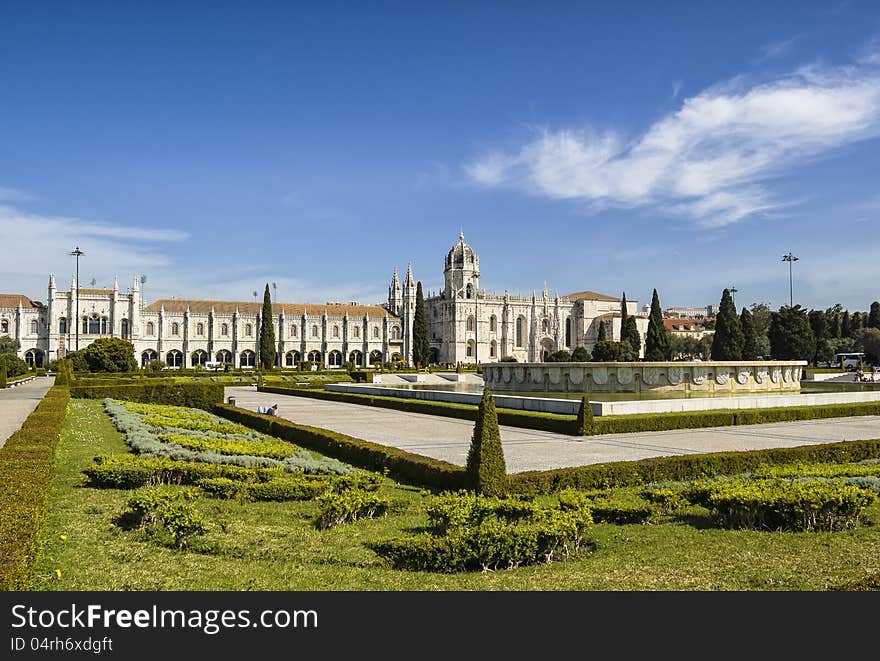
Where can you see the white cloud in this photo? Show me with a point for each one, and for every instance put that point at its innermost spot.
(712, 158)
(777, 49)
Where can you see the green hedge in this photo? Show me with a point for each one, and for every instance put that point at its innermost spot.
(26, 468)
(783, 504)
(399, 464)
(193, 395)
(686, 467)
(561, 424)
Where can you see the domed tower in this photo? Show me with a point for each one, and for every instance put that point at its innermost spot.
(462, 271)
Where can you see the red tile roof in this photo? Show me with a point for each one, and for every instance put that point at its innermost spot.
(591, 295)
(12, 300)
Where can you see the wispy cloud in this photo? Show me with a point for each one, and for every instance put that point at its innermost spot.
(777, 49)
(676, 89)
(711, 159)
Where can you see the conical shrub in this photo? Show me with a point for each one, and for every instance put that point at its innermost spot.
(485, 469)
(2, 374)
(585, 418)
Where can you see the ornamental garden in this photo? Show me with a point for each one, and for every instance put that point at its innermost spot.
(128, 485)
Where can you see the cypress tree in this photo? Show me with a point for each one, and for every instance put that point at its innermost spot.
(855, 324)
(585, 418)
(750, 339)
(657, 340)
(2, 374)
(267, 333)
(421, 346)
(623, 316)
(600, 335)
(629, 332)
(727, 344)
(874, 315)
(844, 324)
(485, 469)
(62, 373)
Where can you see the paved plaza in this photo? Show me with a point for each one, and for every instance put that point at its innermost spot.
(17, 403)
(527, 449)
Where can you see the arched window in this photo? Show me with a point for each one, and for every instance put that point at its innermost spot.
(199, 358)
(335, 331)
(469, 291)
(200, 329)
(34, 327)
(224, 356)
(545, 326)
(291, 359)
(104, 325)
(314, 356)
(395, 333)
(471, 323)
(315, 330)
(4, 326)
(92, 325)
(294, 331)
(224, 330)
(62, 326)
(248, 330)
(493, 323)
(375, 332)
(174, 359)
(375, 357)
(175, 328)
(520, 331)
(493, 349)
(356, 331)
(124, 328)
(568, 331)
(334, 358)
(147, 357)
(151, 329)
(247, 358)
(470, 349)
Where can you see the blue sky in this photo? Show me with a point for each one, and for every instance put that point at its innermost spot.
(607, 146)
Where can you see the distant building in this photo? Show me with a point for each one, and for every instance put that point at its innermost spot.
(689, 327)
(692, 313)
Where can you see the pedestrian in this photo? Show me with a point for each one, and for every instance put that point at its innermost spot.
(272, 410)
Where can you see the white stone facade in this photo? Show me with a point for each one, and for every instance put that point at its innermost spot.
(468, 325)
(465, 324)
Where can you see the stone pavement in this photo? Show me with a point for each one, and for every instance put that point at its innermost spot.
(527, 449)
(17, 403)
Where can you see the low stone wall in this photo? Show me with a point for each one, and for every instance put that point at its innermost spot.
(710, 377)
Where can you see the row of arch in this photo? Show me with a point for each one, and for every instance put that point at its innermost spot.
(150, 330)
(247, 358)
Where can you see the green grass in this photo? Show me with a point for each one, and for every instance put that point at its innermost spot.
(274, 546)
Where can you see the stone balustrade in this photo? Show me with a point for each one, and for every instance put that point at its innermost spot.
(707, 377)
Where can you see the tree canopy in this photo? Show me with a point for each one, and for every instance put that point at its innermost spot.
(727, 343)
(657, 346)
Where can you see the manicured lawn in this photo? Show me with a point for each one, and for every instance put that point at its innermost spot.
(274, 546)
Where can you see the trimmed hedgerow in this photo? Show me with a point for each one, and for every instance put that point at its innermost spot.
(195, 395)
(165, 512)
(349, 506)
(494, 544)
(686, 467)
(26, 468)
(232, 446)
(401, 465)
(301, 487)
(782, 504)
(818, 470)
(611, 511)
(461, 508)
(129, 471)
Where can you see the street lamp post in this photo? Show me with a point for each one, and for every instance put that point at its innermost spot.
(77, 253)
(733, 291)
(790, 258)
